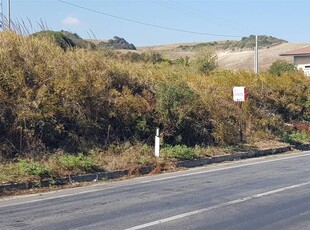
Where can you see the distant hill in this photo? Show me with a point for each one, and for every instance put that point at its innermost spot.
(78, 41)
(245, 43)
(66, 39)
(117, 43)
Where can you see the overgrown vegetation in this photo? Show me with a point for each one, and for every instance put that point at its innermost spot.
(56, 103)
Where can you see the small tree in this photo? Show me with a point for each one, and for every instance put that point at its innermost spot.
(206, 60)
(281, 66)
(183, 61)
(156, 57)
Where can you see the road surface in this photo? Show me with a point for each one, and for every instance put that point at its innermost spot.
(262, 193)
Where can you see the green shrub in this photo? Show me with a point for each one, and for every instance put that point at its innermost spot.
(79, 162)
(180, 152)
(281, 66)
(183, 61)
(296, 137)
(206, 60)
(33, 168)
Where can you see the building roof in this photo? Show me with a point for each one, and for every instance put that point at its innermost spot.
(300, 52)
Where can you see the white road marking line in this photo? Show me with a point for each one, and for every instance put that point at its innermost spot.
(237, 201)
(143, 182)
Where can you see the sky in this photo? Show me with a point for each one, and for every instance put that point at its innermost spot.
(156, 22)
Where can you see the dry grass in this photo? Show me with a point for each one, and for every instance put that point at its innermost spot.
(11, 173)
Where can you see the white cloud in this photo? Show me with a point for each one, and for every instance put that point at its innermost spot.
(71, 21)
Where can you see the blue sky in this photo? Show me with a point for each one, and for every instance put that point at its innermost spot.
(284, 19)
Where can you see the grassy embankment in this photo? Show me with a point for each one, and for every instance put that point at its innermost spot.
(76, 111)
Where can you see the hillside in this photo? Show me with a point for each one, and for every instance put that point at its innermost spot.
(230, 58)
(67, 40)
(245, 59)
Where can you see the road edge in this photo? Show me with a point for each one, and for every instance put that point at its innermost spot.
(148, 169)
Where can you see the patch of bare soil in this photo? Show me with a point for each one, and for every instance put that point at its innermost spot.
(268, 144)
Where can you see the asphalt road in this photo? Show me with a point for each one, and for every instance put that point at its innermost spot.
(262, 193)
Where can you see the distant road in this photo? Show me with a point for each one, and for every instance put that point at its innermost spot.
(263, 193)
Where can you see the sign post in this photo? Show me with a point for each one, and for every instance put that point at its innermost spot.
(239, 96)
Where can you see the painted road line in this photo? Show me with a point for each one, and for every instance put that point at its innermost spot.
(237, 201)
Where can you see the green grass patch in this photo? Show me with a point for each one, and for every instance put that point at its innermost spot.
(76, 162)
(297, 138)
(33, 168)
(180, 152)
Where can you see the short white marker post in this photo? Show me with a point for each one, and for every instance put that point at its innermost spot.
(157, 143)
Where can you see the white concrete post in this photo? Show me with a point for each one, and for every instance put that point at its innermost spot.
(157, 143)
(256, 55)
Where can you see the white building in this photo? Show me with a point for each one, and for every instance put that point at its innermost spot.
(301, 59)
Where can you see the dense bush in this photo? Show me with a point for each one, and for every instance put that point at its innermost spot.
(79, 99)
(182, 114)
(281, 66)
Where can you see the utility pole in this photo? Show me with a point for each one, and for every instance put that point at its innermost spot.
(256, 55)
(9, 13)
(2, 18)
